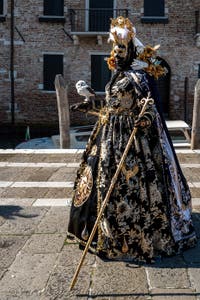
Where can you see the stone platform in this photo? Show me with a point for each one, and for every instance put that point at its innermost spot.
(38, 263)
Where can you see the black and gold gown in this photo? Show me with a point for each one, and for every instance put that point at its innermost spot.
(149, 210)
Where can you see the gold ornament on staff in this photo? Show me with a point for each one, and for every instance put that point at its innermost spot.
(145, 102)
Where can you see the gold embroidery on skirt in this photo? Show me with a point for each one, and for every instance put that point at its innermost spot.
(94, 150)
(130, 173)
(84, 187)
(125, 246)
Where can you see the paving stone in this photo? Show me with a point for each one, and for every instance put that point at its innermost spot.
(196, 220)
(56, 220)
(21, 296)
(191, 174)
(9, 247)
(8, 157)
(194, 274)
(61, 277)
(44, 243)
(165, 277)
(64, 174)
(175, 294)
(21, 220)
(65, 157)
(16, 202)
(2, 272)
(28, 274)
(192, 256)
(10, 174)
(40, 174)
(17, 157)
(193, 158)
(22, 192)
(58, 193)
(195, 192)
(118, 280)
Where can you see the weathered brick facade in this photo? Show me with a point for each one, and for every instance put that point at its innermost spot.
(36, 106)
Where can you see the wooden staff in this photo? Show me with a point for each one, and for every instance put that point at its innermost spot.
(144, 102)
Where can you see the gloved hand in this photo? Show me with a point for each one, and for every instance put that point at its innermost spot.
(81, 106)
(142, 122)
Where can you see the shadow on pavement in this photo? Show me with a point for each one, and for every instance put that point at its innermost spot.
(13, 211)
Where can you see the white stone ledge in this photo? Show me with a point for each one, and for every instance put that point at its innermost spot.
(53, 202)
(73, 151)
(40, 184)
(41, 151)
(59, 202)
(4, 164)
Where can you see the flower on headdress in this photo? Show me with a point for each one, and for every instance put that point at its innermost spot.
(148, 55)
(111, 63)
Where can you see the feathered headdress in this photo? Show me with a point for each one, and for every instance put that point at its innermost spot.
(122, 32)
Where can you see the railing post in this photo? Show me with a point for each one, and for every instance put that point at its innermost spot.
(63, 111)
(195, 140)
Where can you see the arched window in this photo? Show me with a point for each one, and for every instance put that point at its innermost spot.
(163, 84)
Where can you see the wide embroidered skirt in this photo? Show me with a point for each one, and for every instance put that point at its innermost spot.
(149, 210)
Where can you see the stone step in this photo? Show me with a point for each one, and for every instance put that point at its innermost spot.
(74, 155)
(38, 171)
(188, 156)
(50, 155)
(53, 202)
(53, 189)
(20, 171)
(34, 192)
(50, 174)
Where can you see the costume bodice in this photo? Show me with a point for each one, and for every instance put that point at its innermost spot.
(125, 88)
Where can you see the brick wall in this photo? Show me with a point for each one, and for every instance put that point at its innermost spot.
(35, 106)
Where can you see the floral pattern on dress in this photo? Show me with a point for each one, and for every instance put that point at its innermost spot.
(149, 210)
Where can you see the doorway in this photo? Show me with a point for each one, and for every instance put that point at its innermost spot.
(163, 85)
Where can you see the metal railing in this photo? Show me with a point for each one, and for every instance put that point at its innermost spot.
(93, 20)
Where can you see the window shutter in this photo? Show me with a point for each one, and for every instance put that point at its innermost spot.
(53, 7)
(53, 65)
(154, 8)
(1, 7)
(101, 4)
(100, 74)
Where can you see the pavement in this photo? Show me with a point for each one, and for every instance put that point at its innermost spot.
(37, 262)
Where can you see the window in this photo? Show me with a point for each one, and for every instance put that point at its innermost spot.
(53, 65)
(2, 11)
(1, 7)
(53, 7)
(100, 13)
(154, 11)
(53, 11)
(199, 72)
(100, 74)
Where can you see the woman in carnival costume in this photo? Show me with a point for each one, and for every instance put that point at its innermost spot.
(149, 210)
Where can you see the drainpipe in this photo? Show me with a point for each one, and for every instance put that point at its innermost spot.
(12, 79)
(197, 21)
